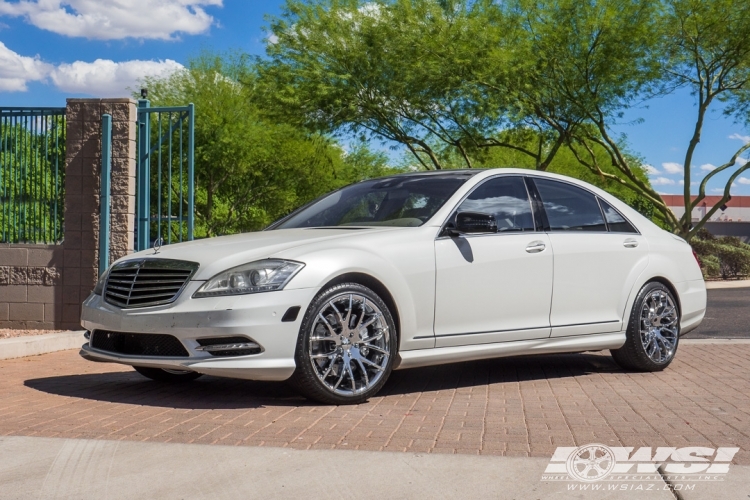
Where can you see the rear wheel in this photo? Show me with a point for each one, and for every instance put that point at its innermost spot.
(163, 375)
(653, 331)
(346, 346)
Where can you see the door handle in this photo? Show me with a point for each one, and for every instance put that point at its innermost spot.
(535, 247)
(630, 243)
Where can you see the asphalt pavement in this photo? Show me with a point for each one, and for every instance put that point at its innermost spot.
(727, 315)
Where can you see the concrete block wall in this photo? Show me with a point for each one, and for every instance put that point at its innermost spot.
(43, 286)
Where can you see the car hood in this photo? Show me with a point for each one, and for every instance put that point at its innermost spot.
(218, 254)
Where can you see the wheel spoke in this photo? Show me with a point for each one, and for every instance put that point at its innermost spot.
(338, 314)
(376, 348)
(328, 325)
(320, 356)
(349, 311)
(364, 372)
(370, 363)
(375, 337)
(364, 311)
(330, 367)
(343, 370)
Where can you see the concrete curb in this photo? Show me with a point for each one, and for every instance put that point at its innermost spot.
(716, 285)
(714, 341)
(31, 345)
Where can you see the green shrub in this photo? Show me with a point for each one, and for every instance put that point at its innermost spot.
(711, 266)
(725, 257)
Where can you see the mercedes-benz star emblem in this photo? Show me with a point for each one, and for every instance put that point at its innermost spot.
(157, 244)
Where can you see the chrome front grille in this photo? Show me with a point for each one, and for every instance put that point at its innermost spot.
(147, 282)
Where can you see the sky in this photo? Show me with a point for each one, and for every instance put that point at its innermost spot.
(51, 49)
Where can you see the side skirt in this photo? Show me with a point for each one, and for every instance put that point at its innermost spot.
(443, 355)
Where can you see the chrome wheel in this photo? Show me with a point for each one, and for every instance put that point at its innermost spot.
(349, 344)
(659, 326)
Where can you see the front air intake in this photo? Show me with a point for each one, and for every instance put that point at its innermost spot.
(147, 282)
(138, 344)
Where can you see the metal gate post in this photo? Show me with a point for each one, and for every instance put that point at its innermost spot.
(104, 181)
(191, 171)
(143, 208)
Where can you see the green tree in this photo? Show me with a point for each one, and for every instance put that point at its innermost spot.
(250, 166)
(452, 80)
(707, 49)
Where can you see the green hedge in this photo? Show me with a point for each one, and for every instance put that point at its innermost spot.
(724, 257)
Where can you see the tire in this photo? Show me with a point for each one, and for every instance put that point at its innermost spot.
(653, 331)
(167, 375)
(346, 346)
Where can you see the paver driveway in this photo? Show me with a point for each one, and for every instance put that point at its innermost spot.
(514, 406)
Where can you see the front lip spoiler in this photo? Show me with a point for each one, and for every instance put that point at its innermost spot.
(250, 367)
(89, 353)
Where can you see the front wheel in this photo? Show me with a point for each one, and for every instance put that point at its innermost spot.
(346, 346)
(167, 375)
(653, 331)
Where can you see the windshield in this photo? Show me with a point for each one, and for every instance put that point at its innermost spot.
(405, 201)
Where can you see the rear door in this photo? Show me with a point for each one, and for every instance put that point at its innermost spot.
(598, 255)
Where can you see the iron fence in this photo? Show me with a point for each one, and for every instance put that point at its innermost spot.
(165, 179)
(32, 174)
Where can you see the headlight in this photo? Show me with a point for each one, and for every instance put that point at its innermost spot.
(99, 288)
(261, 276)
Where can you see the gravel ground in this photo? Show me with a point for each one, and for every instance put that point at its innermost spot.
(6, 333)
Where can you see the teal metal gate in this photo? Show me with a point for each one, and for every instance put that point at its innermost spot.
(165, 176)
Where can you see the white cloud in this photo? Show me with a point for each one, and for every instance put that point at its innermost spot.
(707, 167)
(101, 78)
(717, 190)
(17, 70)
(741, 161)
(105, 78)
(650, 169)
(743, 138)
(743, 180)
(662, 181)
(672, 168)
(115, 19)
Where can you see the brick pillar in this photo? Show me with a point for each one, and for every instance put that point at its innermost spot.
(83, 168)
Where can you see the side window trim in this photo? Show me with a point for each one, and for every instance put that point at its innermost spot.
(604, 214)
(441, 233)
(541, 223)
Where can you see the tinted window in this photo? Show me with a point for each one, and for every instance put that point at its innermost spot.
(505, 198)
(406, 201)
(570, 208)
(615, 221)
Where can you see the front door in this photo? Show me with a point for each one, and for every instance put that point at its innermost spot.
(494, 287)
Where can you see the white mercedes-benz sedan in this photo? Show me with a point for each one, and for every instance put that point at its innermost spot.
(399, 272)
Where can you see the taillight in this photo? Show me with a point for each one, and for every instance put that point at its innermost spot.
(697, 259)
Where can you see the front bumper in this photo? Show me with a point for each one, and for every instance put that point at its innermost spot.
(257, 316)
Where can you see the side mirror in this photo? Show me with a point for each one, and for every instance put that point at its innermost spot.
(475, 223)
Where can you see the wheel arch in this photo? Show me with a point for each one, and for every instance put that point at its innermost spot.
(376, 286)
(664, 281)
